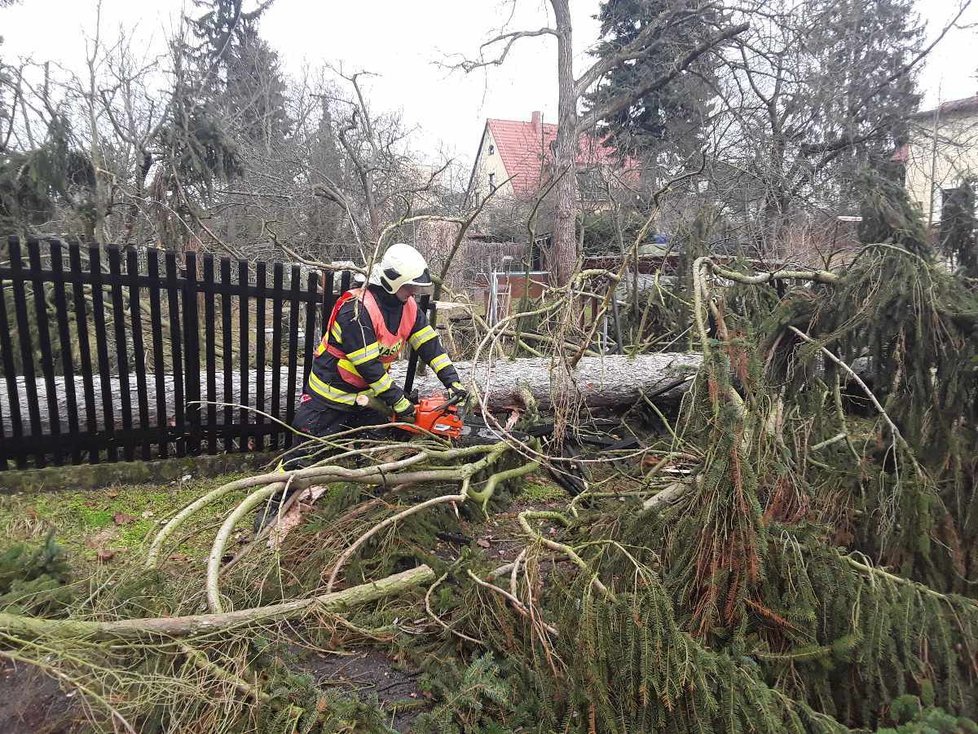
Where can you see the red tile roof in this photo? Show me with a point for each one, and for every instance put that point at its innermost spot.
(968, 104)
(524, 146)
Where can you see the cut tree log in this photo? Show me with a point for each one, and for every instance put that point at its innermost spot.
(600, 382)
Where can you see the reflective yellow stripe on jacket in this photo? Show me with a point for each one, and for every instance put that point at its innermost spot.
(335, 394)
(421, 336)
(331, 393)
(371, 351)
(440, 362)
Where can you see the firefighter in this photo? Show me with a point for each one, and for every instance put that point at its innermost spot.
(367, 330)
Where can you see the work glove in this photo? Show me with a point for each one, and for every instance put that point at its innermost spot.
(406, 413)
(457, 392)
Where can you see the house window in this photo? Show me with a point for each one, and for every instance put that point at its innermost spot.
(952, 202)
(492, 148)
(492, 182)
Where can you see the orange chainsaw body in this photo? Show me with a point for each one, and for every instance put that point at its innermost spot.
(432, 414)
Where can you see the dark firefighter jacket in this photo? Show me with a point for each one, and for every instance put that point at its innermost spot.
(353, 333)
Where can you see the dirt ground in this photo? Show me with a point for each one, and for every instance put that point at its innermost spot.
(370, 672)
(33, 703)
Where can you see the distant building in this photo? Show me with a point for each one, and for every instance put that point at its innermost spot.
(942, 151)
(517, 157)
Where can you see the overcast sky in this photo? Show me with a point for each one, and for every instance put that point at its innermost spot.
(403, 41)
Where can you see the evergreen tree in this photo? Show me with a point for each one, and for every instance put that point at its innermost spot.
(221, 101)
(959, 227)
(241, 72)
(888, 214)
(670, 119)
(34, 182)
(864, 94)
(254, 93)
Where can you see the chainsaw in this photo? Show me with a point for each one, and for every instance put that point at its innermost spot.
(437, 415)
(447, 418)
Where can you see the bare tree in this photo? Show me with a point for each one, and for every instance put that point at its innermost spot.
(571, 90)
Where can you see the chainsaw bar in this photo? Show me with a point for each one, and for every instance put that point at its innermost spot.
(474, 433)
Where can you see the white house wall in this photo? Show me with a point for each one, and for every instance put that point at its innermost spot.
(489, 164)
(939, 159)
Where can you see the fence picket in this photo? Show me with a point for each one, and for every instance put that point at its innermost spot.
(78, 279)
(227, 349)
(159, 365)
(18, 276)
(116, 284)
(191, 326)
(260, 279)
(41, 328)
(10, 372)
(278, 279)
(210, 352)
(244, 355)
(3, 439)
(64, 340)
(138, 347)
(102, 351)
(309, 341)
(295, 283)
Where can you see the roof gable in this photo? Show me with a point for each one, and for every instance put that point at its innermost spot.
(525, 146)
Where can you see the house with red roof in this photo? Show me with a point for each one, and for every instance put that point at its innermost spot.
(517, 157)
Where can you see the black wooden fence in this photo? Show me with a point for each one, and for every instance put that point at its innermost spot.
(111, 353)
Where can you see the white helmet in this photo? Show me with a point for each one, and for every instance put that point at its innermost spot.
(400, 265)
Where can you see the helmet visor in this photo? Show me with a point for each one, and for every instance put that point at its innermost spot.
(422, 280)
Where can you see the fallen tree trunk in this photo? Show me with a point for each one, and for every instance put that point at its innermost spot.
(601, 382)
(205, 624)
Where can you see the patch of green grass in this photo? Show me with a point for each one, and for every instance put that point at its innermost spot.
(121, 518)
(539, 489)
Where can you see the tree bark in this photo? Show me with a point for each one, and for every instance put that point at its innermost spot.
(602, 382)
(563, 253)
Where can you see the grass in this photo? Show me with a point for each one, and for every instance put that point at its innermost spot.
(119, 520)
(537, 488)
(115, 524)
